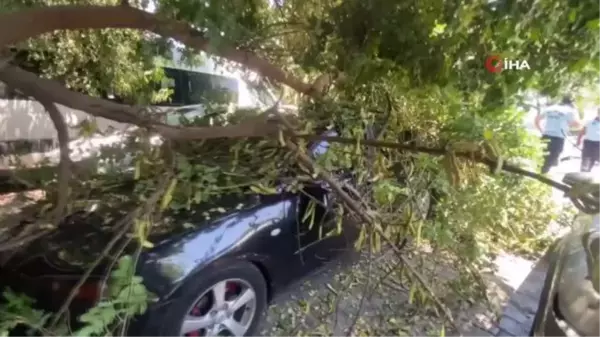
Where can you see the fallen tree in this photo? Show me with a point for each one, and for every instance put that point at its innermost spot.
(426, 83)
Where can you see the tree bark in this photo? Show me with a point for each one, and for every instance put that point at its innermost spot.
(64, 166)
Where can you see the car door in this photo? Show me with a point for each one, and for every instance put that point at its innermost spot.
(319, 239)
(315, 221)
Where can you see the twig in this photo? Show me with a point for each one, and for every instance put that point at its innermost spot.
(23, 238)
(439, 152)
(387, 118)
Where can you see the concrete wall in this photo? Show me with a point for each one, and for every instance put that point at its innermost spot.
(27, 120)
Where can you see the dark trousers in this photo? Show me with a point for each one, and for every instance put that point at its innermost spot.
(589, 155)
(554, 148)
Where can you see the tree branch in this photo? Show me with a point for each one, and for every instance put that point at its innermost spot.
(440, 152)
(38, 228)
(27, 23)
(9, 174)
(39, 87)
(64, 166)
(359, 211)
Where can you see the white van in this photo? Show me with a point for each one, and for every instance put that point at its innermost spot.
(192, 85)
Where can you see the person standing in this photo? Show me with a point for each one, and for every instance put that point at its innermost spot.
(558, 118)
(590, 134)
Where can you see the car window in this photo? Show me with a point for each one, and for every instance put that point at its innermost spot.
(201, 86)
(191, 88)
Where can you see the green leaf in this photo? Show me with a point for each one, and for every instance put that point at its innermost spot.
(438, 29)
(376, 242)
(411, 294)
(572, 15)
(488, 134)
(338, 224)
(108, 314)
(138, 170)
(593, 25)
(168, 196)
(261, 189)
(88, 330)
(147, 244)
(361, 239)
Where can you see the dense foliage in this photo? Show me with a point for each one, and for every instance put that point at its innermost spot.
(397, 66)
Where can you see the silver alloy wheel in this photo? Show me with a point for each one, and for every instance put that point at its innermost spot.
(226, 308)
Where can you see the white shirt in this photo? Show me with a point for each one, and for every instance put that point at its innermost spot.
(558, 118)
(592, 130)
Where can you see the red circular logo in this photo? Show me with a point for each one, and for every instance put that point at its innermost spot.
(494, 64)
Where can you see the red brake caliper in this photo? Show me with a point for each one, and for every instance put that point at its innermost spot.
(230, 288)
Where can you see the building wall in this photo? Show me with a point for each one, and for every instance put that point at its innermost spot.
(26, 119)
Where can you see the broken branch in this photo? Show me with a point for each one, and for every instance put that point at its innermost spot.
(39, 87)
(64, 166)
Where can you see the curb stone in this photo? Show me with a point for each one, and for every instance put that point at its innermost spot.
(519, 313)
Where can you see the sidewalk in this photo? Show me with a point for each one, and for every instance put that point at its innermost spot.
(520, 310)
(524, 280)
(327, 303)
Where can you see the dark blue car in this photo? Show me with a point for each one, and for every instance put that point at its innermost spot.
(214, 278)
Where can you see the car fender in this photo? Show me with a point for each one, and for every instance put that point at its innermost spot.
(578, 298)
(239, 235)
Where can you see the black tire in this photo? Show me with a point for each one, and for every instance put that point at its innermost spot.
(171, 315)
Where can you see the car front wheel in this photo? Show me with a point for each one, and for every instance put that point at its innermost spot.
(219, 301)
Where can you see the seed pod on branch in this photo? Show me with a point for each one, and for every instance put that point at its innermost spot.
(450, 165)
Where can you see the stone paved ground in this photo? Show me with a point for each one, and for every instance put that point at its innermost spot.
(327, 303)
(309, 309)
(518, 314)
